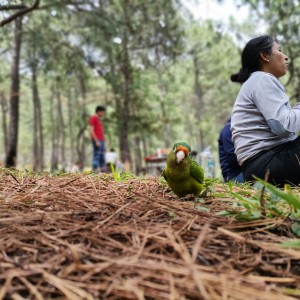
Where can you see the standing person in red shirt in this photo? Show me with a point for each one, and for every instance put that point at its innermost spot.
(98, 140)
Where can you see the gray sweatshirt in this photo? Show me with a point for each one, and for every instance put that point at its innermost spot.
(262, 117)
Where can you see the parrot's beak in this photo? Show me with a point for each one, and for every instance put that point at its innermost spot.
(180, 155)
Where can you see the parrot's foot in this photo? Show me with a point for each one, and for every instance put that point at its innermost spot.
(189, 197)
(167, 190)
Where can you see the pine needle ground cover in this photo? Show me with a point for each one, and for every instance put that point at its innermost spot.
(84, 236)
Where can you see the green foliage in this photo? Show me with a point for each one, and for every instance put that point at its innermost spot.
(208, 186)
(276, 203)
(119, 175)
(171, 215)
(296, 228)
(291, 199)
(291, 292)
(115, 173)
(202, 208)
(295, 243)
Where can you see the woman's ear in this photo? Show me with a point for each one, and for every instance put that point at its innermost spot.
(264, 57)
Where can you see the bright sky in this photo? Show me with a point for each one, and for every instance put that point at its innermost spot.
(212, 9)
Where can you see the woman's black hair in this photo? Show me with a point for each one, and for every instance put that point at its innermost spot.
(251, 57)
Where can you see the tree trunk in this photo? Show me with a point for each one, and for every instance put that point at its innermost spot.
(11, 157)
(4, 111)
(38, 141)
(71, 129)
(138, 155)
(126, 72)
(41, 133)
(61, 130)
(166, 125)
(198, 104)
(145, 145)
(80, 140)
(162, 94)
(54, 136)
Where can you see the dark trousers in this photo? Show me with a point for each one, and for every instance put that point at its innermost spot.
(98, 156)
(283, 163)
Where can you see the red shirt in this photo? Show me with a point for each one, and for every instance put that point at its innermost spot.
(98, 128)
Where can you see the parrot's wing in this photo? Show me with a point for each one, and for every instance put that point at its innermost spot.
(197, 172)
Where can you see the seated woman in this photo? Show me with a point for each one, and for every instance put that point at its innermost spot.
(263, 123)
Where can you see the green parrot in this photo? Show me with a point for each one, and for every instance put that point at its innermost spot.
(183, 175)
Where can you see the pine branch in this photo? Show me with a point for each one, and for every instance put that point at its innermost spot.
(22, 11)
(11, 7)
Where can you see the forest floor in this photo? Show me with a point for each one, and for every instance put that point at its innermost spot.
(85, 236)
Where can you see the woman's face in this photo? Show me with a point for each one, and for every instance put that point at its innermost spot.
(278, 62)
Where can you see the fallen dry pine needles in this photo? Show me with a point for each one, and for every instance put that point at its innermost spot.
(84, 236)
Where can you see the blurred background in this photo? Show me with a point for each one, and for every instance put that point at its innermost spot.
(161, 68)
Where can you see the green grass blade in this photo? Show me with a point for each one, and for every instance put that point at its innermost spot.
(291, 244)
(289, 198)
(247, 203)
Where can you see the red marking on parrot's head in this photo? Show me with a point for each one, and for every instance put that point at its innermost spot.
(183, 148)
